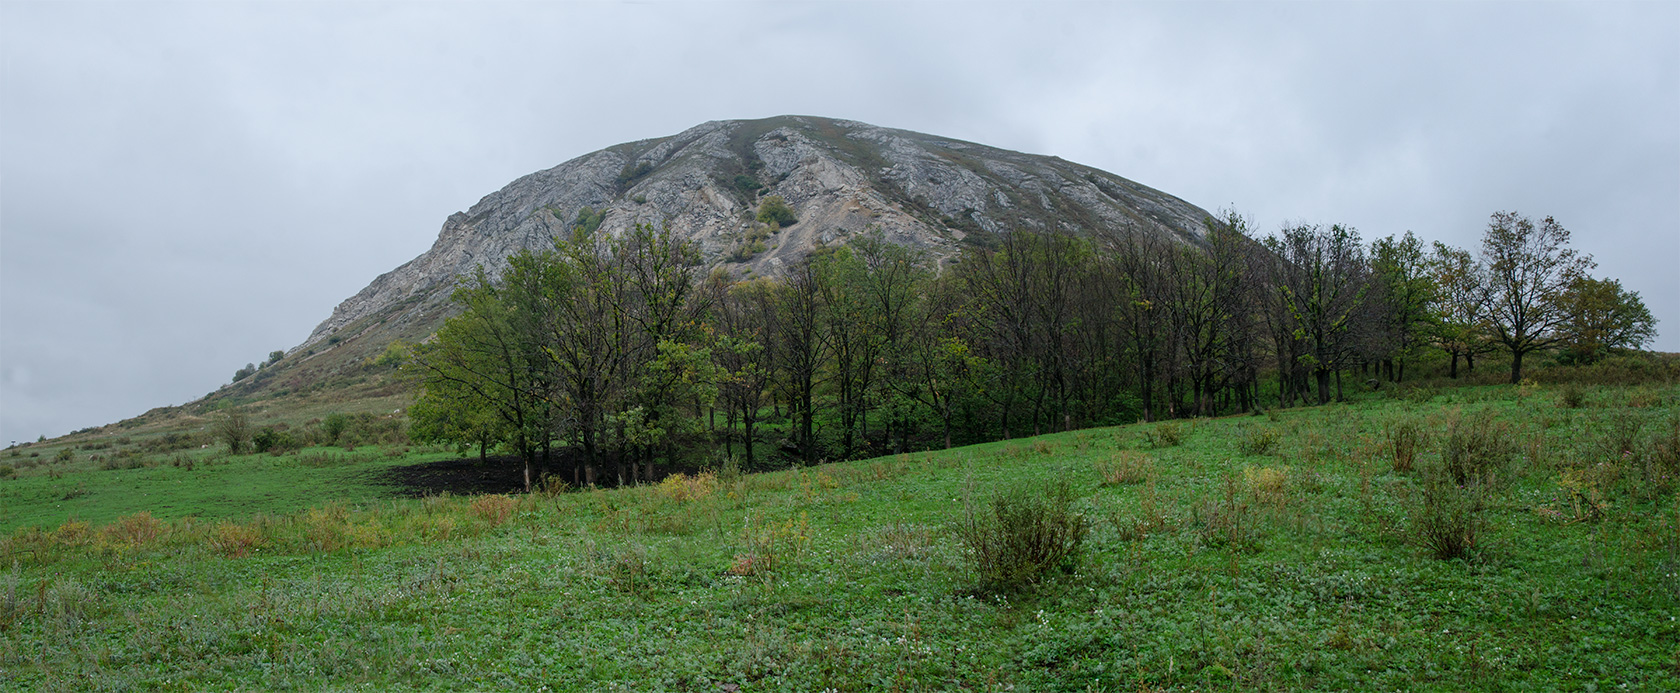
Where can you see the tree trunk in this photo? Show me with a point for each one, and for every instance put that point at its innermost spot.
(1452, 371)
(1323, 375)
(1516, 367)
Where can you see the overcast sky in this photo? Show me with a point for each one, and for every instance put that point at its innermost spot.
(185, 187)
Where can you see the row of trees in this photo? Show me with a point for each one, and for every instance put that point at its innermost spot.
(621, 351)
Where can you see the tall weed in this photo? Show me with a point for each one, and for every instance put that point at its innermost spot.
(1125, 467)
(1405, 437)
(1476, 449)
(1447, 521)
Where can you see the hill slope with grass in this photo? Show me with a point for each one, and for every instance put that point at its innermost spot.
(1494, 538)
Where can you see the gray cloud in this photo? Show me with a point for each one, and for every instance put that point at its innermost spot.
(185, 187)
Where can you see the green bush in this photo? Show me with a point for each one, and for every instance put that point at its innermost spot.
(1257, 440)
(1165, 435)
(1024, 534)
(234, 429)
(775, 210)
(1572, 396)
(276, 440)
(332, 427)
(746, 184)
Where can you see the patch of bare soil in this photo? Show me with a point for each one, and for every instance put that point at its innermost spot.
(463, 477)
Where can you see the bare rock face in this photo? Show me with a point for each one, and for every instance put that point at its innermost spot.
(840, 177)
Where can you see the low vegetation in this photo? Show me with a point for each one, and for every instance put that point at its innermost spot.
(1527, 543)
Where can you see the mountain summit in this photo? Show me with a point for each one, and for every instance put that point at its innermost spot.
(839, 177)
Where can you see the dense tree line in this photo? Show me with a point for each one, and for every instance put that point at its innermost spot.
(621, 351)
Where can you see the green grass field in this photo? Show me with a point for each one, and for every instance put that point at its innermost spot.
(1277, 552)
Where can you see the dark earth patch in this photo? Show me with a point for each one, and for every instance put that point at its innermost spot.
(463, 477)
(470, 476)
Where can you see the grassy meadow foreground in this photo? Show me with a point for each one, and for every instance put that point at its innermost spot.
(1501, 538)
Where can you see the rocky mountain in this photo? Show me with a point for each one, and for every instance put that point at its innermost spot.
(841, 178)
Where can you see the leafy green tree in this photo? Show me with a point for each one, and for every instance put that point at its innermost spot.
(1599, 317)
(1403, 295)
(447, 413)
(485, 362)
(1323, 285)
(246, 372)
(1530, 266)
(802, 349)
(744, 322)
(1460, 321)
(854, 343)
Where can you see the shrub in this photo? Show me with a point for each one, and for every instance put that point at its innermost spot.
(234, 429)
(1476, 448)
(767, 548)
(1125, 467)
(1149, 519)
(332, 427)
(904, 541)
(1164, 435)
(1572, 396)
(1448, 520)
(138, 529)
(1025, 533)
(625, 568)
(64, 455)
(1404, 437)
(1655, 463)
(1257, 440)
(746, 184)
(1620, 434)
(274, 440)
(234, 540)
(775, 210)
(7, 471)
(73, 533)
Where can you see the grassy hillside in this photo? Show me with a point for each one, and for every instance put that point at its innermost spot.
(1287, 551)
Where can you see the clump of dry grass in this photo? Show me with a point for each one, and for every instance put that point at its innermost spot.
(494, 509)
(1269, 485)
(1125, 467)
(683, 488)
(1404, 437)
(134, 530)
(233, 540)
